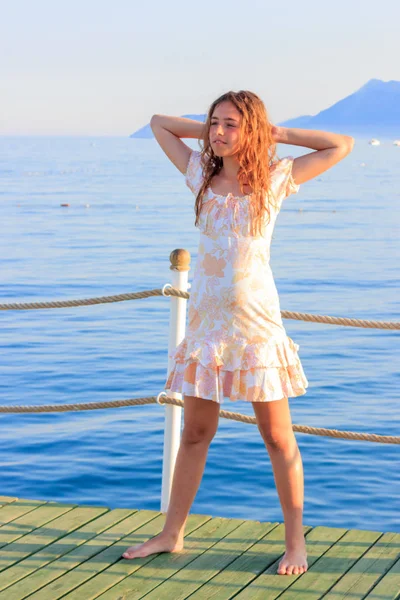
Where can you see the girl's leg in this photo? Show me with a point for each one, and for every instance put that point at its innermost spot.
(275, 425)
(200, 424)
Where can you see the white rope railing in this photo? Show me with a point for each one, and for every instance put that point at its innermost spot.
(180, 260)
(171, 291)
(225, 414)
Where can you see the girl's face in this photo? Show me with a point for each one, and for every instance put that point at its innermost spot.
(225, 129)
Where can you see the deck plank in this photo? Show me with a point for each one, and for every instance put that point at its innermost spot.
(11, 512)
(77, 527)
(51, 551)
(144, 577)
(211, 562)
(388, 588)
(28, 523)
(362, 576)
(267, 583)
(74, 568)
(49, 523)
(246, 567)
(331, 566)
(110, 560)
(105, 524)
(121, 568)
(7, 499)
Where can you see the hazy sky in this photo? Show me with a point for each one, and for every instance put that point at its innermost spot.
(104, 67)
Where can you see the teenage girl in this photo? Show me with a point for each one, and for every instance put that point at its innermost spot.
(236, 347)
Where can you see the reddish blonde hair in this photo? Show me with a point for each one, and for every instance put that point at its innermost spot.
(256, 153)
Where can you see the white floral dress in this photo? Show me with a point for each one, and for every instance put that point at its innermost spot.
(236, 346)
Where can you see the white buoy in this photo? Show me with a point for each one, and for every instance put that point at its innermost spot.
(374, 142)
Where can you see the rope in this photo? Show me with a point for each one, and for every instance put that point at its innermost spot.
(287, 314)
(83, 302)
(348, 435)
(171, 291)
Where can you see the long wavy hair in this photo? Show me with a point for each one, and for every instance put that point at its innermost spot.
(256, 154)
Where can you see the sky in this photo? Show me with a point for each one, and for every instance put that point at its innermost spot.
(105, 67)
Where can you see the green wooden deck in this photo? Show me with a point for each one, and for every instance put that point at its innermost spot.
(50, 550)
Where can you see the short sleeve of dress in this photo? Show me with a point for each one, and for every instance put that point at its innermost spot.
(283, 182)
(194, 172)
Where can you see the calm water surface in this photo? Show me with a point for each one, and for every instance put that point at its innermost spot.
(335, 251)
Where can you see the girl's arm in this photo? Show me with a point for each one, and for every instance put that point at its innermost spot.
(330, 149)
(168, 131)
(179, 126)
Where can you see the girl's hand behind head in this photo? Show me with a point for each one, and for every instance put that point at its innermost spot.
(276, 133)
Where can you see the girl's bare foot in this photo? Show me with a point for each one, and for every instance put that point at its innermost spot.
(294, 561)
(160, 543)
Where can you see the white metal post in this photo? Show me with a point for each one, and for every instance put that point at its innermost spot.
(180, 261)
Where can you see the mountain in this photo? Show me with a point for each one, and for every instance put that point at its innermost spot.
(373, 110)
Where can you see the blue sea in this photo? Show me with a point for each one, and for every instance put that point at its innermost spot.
(335, 251)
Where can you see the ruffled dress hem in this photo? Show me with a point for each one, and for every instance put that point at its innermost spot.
(253, 372)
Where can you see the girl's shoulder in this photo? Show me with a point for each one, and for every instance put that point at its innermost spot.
(282, 180)
(194, 172)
